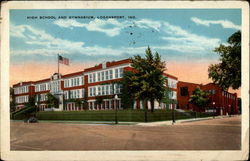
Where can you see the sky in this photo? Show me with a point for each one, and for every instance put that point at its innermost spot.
(185, 39)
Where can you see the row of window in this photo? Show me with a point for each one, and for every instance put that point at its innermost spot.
(42, 87)
(105, 90)
(72, 94)
(78, 81)
(228, 95)
(54, 86)
(20, 90)
(22, 99)
(106, 75)
(212, 91)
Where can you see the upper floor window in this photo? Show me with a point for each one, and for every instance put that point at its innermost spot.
(184, 91)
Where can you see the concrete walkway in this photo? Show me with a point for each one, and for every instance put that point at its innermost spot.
(165, 123)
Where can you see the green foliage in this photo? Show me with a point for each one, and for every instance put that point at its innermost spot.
(228, 72)
(239, 105)
(25, 113)
(52, 101)
(108, 115)
(199, 98)
(166, 98)
(31, 101)
(147, 83)
(99, 100)
(127, 98)
(12, 100)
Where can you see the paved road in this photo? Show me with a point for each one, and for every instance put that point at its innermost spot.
(216, 134)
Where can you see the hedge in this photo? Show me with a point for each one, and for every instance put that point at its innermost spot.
(109, 115)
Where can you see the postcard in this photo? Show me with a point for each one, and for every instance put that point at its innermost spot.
(124, 80)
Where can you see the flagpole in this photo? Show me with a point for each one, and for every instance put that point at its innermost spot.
(58, 64)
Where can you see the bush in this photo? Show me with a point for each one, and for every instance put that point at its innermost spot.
(109, 115)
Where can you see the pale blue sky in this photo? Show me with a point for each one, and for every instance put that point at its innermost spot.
(177, 34)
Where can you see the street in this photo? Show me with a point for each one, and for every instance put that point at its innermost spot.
(214, 134)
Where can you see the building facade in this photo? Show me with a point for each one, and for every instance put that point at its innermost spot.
(220, 101)
(90, 85)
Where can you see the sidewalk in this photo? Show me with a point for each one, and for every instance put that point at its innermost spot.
(157, 123)
(165, 123)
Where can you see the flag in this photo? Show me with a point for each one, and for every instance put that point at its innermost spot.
(63, 60)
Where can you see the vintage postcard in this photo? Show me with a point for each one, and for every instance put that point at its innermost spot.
(124, 80)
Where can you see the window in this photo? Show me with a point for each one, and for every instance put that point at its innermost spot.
(116, 73)
(184, 91)
(102, 76)
(121, 72)
(94, 91)
(111, 89)
(107, 75)
(90, 92)
(110, 74)
(94, 77)
(90, 78)
(103, 90)
(107, 90)
(99, 91)
(98, 76)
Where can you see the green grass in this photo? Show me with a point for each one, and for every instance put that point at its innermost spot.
(109, 115)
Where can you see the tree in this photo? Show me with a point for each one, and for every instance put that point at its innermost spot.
(78, 103)
(12, 100)
(99, 101)
(199, 98)
(52, 101)
(127, 98)
(228, 72)
(166, 98)
(147, 83)
(31, 101)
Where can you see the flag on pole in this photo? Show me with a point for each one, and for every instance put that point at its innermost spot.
(63, 60)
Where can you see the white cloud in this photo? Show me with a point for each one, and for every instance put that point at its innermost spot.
(111, 27)
(95, 25)
(223, 23)
(175, 38)
(184, 41)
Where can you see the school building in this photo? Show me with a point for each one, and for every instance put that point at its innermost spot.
(100, 81)
(220, 101)
(89, 84)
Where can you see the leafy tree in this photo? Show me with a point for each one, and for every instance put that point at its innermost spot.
(31, 101)
(52, 101)
(239, 105)
(148, 80)
(12, 100)
(166, 98)
(78, 102)
(199, 98)
(228, 72)
(127, 98)
(99, 101)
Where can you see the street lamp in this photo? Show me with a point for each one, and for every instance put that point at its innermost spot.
(229, 110)
(214, 109)
(173, 114)
(116, 98)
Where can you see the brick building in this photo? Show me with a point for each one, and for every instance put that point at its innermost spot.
(89, 84)
(220, 101)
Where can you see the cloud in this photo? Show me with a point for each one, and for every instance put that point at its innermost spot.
(174, 39)
(111, 27)
(223, 23)
(184, 41)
